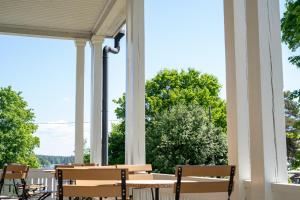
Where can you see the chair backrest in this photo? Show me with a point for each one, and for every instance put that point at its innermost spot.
(14, 172)
(204, 187)
(88, 182)
(138, 172)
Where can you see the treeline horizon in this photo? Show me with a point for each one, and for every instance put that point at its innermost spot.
(48, 160)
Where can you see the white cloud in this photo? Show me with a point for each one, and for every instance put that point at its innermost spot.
(56, 138)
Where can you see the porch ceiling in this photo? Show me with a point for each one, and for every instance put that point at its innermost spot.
(62, 19)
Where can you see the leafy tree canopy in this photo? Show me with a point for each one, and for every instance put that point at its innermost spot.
(16, 130)
(167, 89)
(170, 87)
(116, 142)
(184, 135)
(290, 27)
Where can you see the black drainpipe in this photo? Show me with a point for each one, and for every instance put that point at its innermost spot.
(107, 50)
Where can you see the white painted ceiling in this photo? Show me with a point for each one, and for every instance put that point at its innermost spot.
(61, 18)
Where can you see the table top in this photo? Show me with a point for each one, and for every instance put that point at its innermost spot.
(130, 183)
(150, 183)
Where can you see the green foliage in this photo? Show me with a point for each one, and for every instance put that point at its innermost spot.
(47, 160)
(87, 156)
(294, 95)
(166, 90)
(292, 119)
(44, 162)
(184, 135)
(170, 87)
(16, 130)
(290, 26)
(116, 148)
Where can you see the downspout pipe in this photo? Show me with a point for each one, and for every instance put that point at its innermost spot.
(106, 51)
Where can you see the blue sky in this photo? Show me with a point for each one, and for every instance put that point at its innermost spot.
(179, 34)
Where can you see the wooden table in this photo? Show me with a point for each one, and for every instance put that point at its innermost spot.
(156, 184)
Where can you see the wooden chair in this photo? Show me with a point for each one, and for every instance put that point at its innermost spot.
(138, 172)
(204, 187)
(92, 182)
(19, 172)
(15, 172)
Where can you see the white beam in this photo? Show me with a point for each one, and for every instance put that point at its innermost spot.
(266, 105)
(237, 93)
(96, 99)
(43, 32)
(111, 19)
(79, 107)
(135, 83)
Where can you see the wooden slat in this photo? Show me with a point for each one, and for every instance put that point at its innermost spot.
(16, 168)
(92, 191)
(136, 168)
(196, 170)
(91, 174)
(96, 182)
(203, 187)
(63, 166)
(149, 183)
(15, 176)
(140, 177)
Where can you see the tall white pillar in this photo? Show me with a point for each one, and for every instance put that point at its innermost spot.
(96, 99)
(237, 93)
(79, 107)
(135, 83)
(266, 105)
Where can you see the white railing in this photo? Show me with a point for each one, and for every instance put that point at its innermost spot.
(280, 191)
(39, 176)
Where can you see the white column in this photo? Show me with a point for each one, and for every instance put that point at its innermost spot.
(96, 99)
(135, 83)
(266, 105)
(237, 93)
(79, 107)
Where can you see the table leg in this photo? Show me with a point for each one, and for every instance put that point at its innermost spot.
(156, 193)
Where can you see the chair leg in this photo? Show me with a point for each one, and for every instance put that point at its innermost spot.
(152, 194)
(44, 196)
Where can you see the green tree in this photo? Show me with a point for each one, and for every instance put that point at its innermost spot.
(290, 26)
(169, 88)
(87, 156)
(184, 135)
(292, 119)
(116, 142)
(16, 130)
